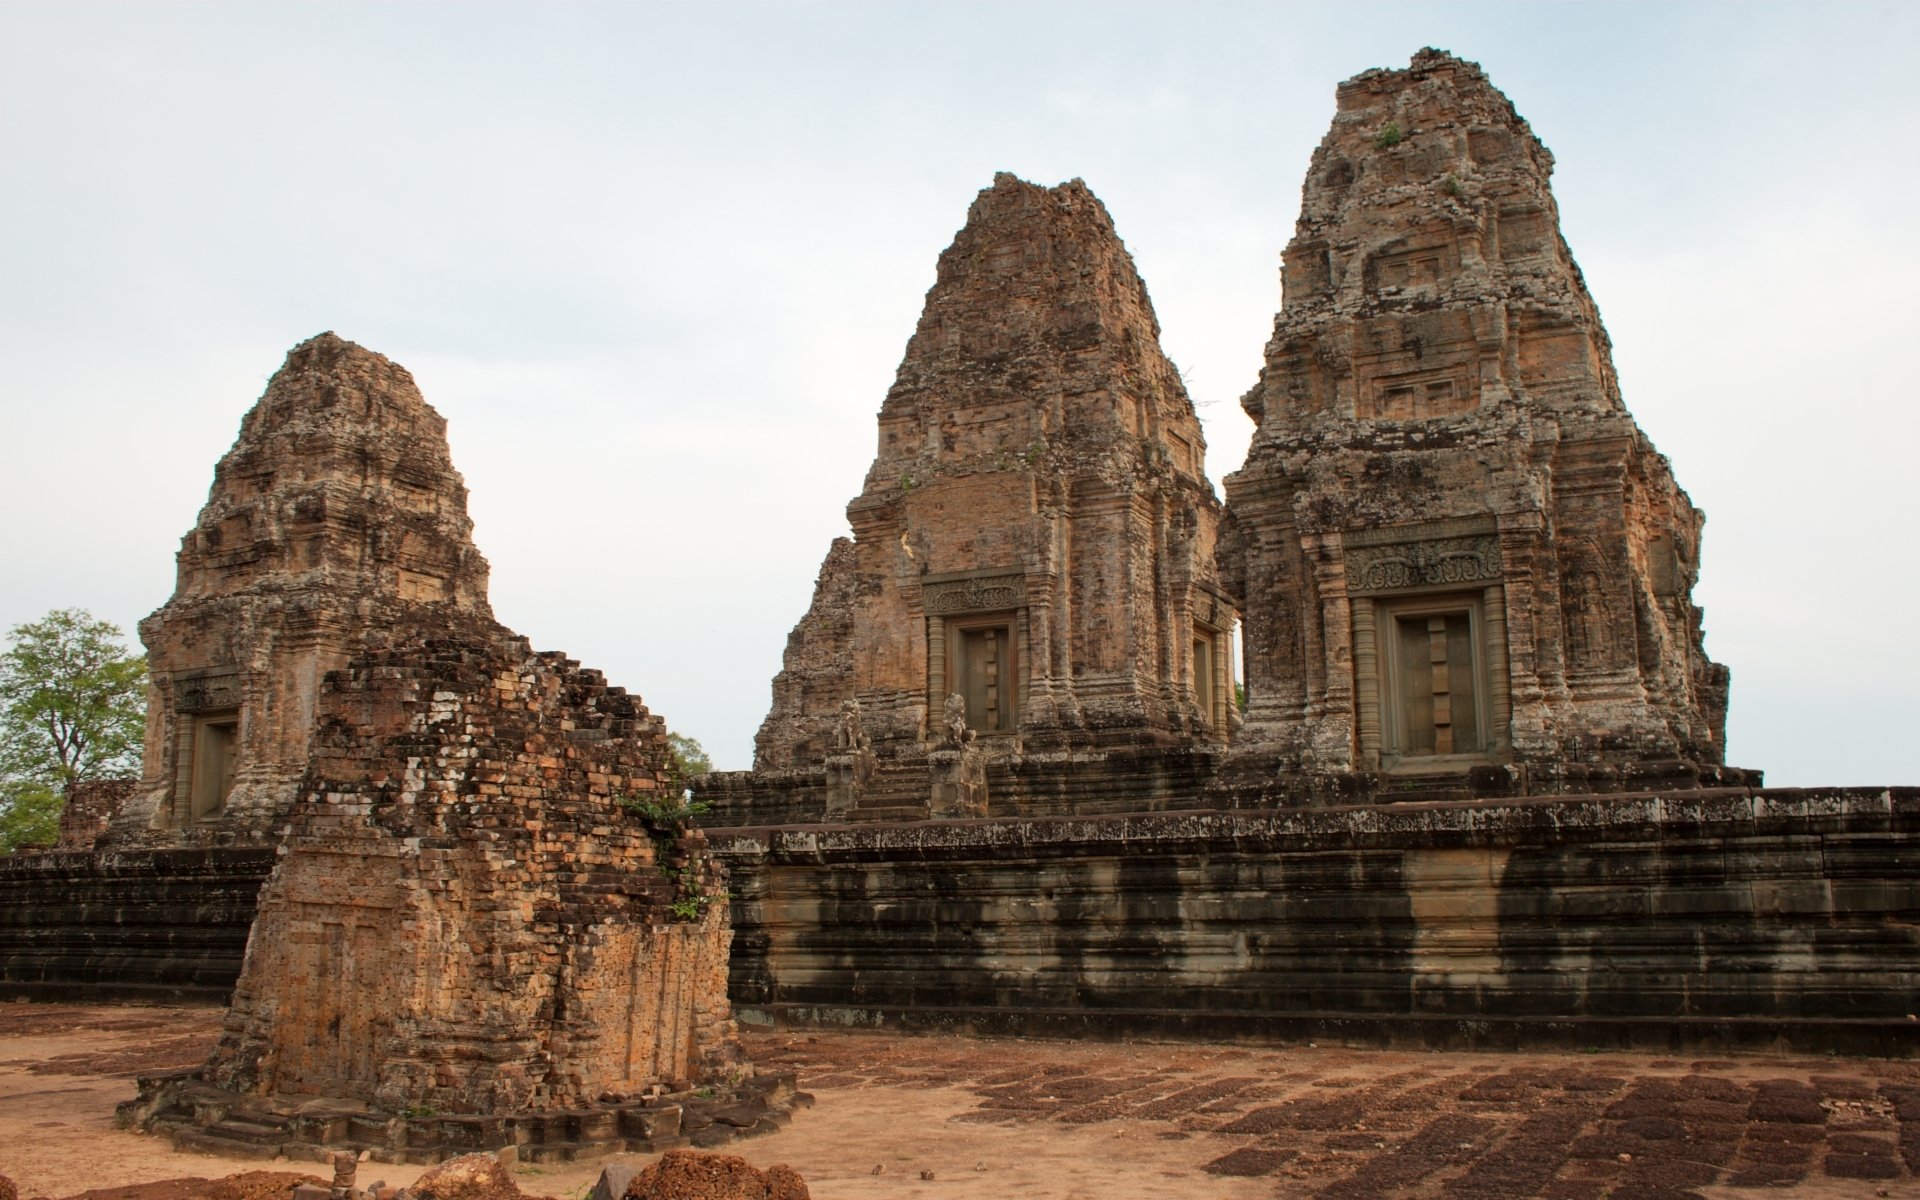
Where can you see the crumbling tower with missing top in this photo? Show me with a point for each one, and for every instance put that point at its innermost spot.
(486, 901)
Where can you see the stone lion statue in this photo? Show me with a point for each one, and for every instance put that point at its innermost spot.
(851, 737)
(954, 716)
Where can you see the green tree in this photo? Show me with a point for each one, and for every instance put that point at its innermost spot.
(73, 706)
(688, 757)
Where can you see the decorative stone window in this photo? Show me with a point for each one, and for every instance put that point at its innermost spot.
(1417, 395)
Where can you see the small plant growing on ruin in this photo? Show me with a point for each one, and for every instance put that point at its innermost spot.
(1451, 187)
(907, 482)
(666, 812)
(689, 908)
(1390, 135)
(666, 815)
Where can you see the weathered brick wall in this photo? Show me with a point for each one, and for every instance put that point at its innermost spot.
(464, 918)
(1137, 780)
(89, 807)
(1727, 917)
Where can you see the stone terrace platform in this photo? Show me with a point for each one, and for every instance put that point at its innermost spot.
(1717, 918)
(153, 925)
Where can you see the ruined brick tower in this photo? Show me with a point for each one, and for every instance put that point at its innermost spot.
(1462, 562)
(336, 511)
(487, 903)
(464, 919)
(1036, 534)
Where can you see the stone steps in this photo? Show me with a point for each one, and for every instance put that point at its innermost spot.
(215, 1140)
(151, 925)
(889, 814)
(897, 792)
(243, 1130)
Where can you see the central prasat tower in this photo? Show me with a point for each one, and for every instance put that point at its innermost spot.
(1035, 536)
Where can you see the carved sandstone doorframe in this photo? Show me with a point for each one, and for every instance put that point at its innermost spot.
(207, 718)
(1430, 668)
(977, 646)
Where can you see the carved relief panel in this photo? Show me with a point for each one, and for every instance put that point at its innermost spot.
(1377, 566)
(1594, 610)
(979, 593)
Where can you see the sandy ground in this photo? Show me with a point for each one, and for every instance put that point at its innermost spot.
(962, 1118)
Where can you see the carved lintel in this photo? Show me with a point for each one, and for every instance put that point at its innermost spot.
(1210, 610)
(985, 593)
(1438, 562)
(206, 692)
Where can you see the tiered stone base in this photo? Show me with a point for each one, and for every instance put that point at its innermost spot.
(1723, 917)
(1051, 784)
(202, 1118)
(1253, 780)
(162, 926)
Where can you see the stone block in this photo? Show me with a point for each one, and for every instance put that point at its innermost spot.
(613, 1181)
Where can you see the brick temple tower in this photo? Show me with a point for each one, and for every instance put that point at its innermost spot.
(1036, 534)
(1463, 564)
(337, 511)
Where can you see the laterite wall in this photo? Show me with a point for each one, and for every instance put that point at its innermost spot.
(159, 925)
(1731, 917)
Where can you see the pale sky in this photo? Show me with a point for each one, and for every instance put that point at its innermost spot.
(657, 263)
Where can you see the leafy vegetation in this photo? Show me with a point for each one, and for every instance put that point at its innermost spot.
(1389, 135)
(667, 814)
(688, 756)
(73, 706)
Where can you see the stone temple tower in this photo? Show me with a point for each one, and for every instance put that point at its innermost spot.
(1036, 534)
(1463, 564)
(337, 511)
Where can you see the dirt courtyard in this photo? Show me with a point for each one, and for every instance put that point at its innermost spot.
(957, 1118)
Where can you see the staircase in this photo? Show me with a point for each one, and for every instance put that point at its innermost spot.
(899, 792)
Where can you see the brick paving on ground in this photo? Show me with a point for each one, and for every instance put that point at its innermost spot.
(1345, 1123)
